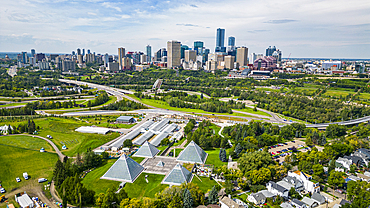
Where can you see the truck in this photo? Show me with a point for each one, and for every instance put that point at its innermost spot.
(42, 180)
(25, 175)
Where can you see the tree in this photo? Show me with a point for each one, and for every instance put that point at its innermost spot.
(203, 142)
(213, 196)
(187, 199)
(238, 149)
(335, 179)
(259, 176)
(121, 195)
(309, 141)
(222, 155)
(99, 200)
(229, 187)
(331, 166)
(294, 194)
(127, 143)
(287, 132)
(109, 199)
(254, 161)
(224, 143)
(352, 169)
(335, 130)
(318, 170)
(10, 130)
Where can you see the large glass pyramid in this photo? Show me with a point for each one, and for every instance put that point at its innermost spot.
(124, 169)
(193, 154)
(147, 150)
(177, 176)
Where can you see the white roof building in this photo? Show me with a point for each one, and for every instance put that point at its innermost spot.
(93, 130)
(24, 201)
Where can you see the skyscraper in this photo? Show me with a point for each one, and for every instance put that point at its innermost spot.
(83, 52)
(73, 53)
(78, 51)
(190, 55)
(229, 62)
(106, 59)
(183, 49)
(220, 40)
(88, 51)
(148, 53)
(173, 54)
(33, 52)
(270, 51)
(24, 57)
(242, 56)
(231, 44)
(121, 54)
(198, 46)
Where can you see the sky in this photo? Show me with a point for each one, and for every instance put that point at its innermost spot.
(300, 28)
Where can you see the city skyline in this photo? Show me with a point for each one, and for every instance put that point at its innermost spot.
(304, 29)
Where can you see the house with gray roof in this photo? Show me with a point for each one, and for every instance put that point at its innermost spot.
(177, 176)
(320, 199)
(298, 204)
(192, 154)
(257, 198)
(286, 205)
(125, 119)
(298, 185)
(277, 189)
(124, 169)
(310, 202)
(146, 150)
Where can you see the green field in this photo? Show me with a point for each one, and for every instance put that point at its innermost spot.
(206, 184)
(138, 159)
(337, 93)
(27, 142)
(15, 161)
(63, 130)
(107, 121)
(250, 110)
(213, 158)
(92, 180)
(140, 188)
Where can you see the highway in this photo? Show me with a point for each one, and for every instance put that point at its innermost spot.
(120, 94)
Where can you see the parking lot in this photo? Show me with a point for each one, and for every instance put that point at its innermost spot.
(282, 148)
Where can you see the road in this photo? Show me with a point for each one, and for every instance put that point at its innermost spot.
(120, 94)
(60, 154)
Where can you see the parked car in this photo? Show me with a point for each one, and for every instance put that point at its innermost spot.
(25, 175)
(18, 179)
(2, 190)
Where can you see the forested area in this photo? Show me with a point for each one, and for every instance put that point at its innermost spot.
(17, 111)
(206, 137)
(100, 99)
(38, 105)
(315, 110)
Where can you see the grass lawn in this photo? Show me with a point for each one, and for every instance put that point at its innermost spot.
(92, 180)
(206, 184)
(338, 93)
(63, 130)
(250, 110)
(15, 161)
(27, 142)
(107, 121)
(215, 128)
(213, 158)
(140, 188)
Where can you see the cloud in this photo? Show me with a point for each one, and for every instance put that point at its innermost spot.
(111, 6)
(257, 31)
(281, 21)
(92, 13)
(193, 5)
(188, 25)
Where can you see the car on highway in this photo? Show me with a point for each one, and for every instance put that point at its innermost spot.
(18, 179)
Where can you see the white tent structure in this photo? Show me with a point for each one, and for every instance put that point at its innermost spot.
(93, 130)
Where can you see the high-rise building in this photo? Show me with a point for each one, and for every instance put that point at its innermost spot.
(88, 51)
(220, 40)
(32, 60)
(44, 65)
(143, 58)
(164, 52)
(126, 63)
(174, 54)
(190, 55)
(83, 52)
(242, 56)
(205, 55)
(106, 59)
(183, 49)
(73, 53)
(90, 58)
(113, 66)
(33, 52)
(229, 62)
(68, 65)
(148, 53)
(78, 51)
(80, 59)
(24, 57)
(121, 54)
(198, 47)
(270, 51)
(231, 44)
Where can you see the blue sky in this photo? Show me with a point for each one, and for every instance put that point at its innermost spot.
(304, 28)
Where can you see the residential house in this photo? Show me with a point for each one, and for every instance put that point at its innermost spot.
(285, 184)
(363, 177)
(277, 189)
(267, 194)
(364, 157)
(344, 162)
(354, 178)
(358, 161)
(367, 173)
(257, 198)
(320, 199)
(298, 204)
(286, 205)
(310, 202)
(240, 202)
(298, 185)
(227, 202)
(309, 184)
